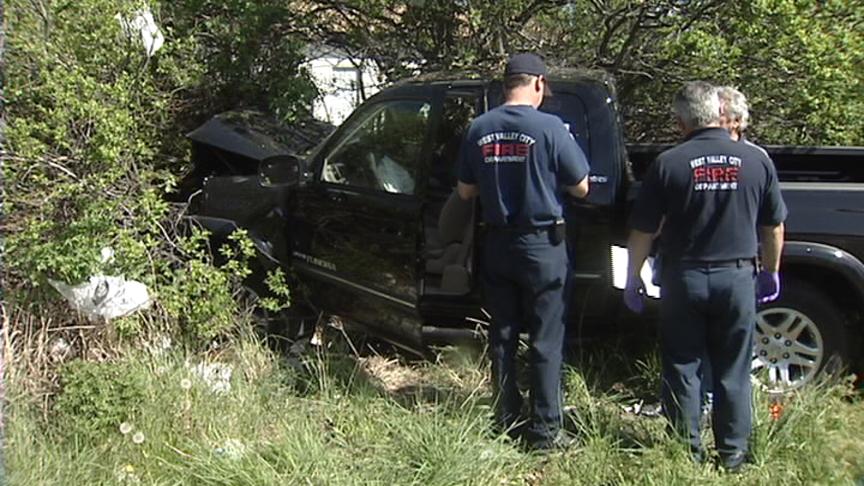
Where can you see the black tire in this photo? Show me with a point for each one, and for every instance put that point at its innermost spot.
(822, 326)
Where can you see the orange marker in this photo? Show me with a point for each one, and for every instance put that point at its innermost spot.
(776, 410)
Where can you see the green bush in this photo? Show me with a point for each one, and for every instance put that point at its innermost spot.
(246, 53)
(94, 139)
(200, 296)
(98, 397)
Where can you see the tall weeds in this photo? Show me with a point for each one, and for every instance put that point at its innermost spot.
(346, 418)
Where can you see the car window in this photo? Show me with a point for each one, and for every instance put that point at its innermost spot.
(571, 110)
(381, 149)
(566, 105)
(458, 111)
(447, 235)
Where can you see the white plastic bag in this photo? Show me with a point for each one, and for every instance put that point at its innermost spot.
(142, 23)
(105, 297)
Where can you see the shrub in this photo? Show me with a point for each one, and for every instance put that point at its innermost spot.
(200, 296)
(98, 397)
(94, 139)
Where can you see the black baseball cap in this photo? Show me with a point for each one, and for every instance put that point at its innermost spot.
(525, 63)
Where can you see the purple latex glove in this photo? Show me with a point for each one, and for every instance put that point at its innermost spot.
(767, 286)
(634, 294)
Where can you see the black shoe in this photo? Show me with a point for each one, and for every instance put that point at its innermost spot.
(514, 431)
(561, 441)
(733, 463)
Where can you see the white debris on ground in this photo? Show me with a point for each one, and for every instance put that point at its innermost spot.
(59, 349)
(643, 409)
(106, 255)
(141, 23)
(103, 296)
(216, 376)
(230, 449)
(634, 408)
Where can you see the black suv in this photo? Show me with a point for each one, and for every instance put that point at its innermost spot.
(358, 218)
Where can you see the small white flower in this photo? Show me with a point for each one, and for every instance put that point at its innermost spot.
(231, 449)
(126, 475)
(138, 438)
(125, 428)
(185, 383)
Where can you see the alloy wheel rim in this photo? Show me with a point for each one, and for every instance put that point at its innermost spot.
(787, 350)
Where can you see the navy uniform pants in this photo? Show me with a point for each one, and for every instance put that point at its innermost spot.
(524, 280)
(708, 310)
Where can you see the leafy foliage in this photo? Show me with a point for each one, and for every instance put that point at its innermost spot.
(199, 296)
(98, 397)
(799, 61)
(83, 120)
(242, 54)
(281, 293)
(94, 140)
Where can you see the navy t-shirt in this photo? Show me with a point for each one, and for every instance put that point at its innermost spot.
(713, 193)
(520, 158)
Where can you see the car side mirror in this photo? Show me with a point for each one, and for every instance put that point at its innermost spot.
(281, 171)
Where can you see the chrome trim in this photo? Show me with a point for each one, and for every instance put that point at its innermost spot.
(822, 186)
(303, 266)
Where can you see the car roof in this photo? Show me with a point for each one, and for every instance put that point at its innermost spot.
(418, 85)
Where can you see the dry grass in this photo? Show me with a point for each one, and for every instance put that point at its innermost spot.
(392, 375)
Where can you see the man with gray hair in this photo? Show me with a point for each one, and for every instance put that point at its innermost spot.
(735, 117)
(714, 196)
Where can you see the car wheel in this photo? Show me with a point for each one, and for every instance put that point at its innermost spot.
(797, 337)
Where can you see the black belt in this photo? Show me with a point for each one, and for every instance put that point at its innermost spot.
(523, 229)
(735, 262)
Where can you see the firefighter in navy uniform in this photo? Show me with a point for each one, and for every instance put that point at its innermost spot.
(715, 198)
(520, 162)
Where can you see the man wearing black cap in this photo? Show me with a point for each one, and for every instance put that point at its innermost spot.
(520, 161)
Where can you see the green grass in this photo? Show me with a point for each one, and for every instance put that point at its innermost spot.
(339, 421)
